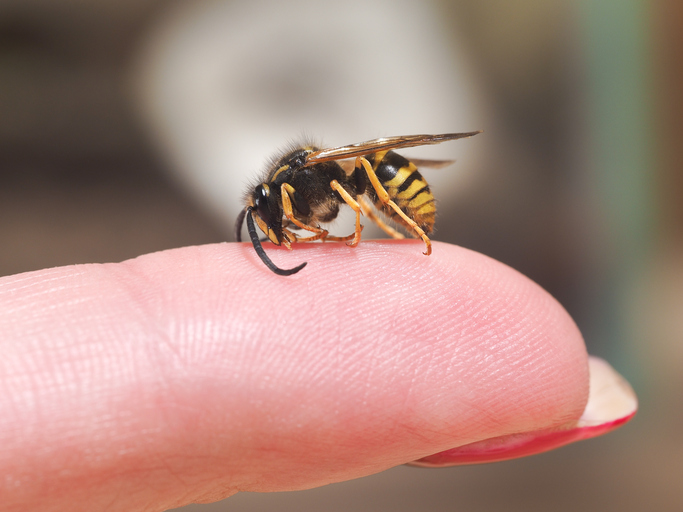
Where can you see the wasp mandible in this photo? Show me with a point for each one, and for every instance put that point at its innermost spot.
(306, 186)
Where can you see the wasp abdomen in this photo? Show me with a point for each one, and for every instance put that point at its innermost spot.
(406, 187)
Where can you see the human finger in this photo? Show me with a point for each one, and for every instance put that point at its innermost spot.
(191, 374)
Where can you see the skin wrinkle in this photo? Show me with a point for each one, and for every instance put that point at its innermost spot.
(144, 298)
(198, 323)
(28, 299)
(74, 374)
(179, 356)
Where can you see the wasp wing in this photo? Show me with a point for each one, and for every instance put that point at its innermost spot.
(427, 162)
(350, 165)
(382, 144)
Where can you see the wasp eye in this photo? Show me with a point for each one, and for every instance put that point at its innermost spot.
(261, 194)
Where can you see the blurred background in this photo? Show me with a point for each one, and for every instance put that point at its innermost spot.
(132, 126)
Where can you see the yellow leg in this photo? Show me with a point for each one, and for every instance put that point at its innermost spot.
(370, 214)
(288, 238)
(286, 189)
(356, 208)
(293, 237)
(330, 238)
(383, 196)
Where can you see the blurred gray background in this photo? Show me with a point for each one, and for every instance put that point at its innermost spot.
(132, 126)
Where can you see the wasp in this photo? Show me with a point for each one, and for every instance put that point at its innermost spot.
(307, 185)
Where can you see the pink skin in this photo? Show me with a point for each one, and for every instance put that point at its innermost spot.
(191, 374)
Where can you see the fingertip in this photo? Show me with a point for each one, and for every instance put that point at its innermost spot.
(612, 403)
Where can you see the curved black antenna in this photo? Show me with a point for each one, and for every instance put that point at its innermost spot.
(238, 225)
(261, 252)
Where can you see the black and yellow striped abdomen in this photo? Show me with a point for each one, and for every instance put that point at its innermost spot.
(406, 187)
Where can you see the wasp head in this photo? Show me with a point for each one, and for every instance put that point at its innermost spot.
(265, 207)
(268, 210)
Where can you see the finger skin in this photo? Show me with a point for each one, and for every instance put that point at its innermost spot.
(191, 374)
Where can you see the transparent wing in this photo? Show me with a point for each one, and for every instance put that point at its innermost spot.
(349, 165)
(383, 144)
(427, 162)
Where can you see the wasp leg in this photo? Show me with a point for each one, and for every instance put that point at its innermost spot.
(286, 190)
(287, 238)
(293, 237)
(341, 238)
(356, 208)
(370, 214)
(383, 196)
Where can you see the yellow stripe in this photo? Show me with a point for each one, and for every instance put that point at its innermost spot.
(428, 208)
(379, 156)
(268, 232)
(413, 189)
(400, 177)
(421, 199)
(283, 168)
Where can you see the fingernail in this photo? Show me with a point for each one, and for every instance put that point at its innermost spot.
(611, 403)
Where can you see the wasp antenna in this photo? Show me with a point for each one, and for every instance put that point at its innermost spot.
(261, 252)
(238, 225)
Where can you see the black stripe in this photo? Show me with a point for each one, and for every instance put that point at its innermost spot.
(411, 177)
(425, 189)
(388, 167)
